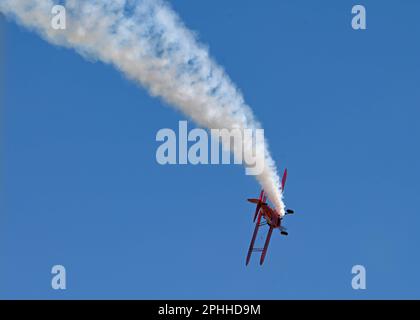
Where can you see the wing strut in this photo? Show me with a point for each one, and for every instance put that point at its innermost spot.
(251, 246)
(267, 242)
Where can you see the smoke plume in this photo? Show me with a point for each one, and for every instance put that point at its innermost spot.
(147, 41)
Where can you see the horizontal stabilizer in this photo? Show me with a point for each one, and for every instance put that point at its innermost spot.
(254, 200)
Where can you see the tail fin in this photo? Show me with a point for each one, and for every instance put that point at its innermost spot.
(283, 180)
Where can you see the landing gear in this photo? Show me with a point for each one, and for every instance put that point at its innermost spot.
(289, 211)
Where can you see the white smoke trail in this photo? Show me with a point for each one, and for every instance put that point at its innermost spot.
(147, 41)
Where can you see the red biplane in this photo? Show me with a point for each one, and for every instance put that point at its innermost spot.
(272, 218)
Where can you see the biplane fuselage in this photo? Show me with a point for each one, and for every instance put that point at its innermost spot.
(271, 216)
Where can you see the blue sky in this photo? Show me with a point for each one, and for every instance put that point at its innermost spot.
(80, 185)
